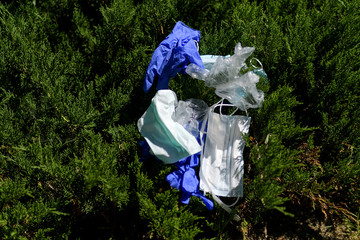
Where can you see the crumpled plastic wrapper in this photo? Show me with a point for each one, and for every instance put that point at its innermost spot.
(225, 76)
(189, 113)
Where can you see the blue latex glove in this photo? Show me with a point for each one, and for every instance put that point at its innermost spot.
(185, 180)
(145, 153)
(172, 56)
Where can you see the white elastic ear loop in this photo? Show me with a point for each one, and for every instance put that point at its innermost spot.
(221, 203)
(221, 104)
(218, 200)
(258, 61)
(227, 207)
(234, 111)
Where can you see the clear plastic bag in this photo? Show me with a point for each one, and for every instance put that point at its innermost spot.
(223, 69)
(188, 114)
(225, 75)
(209, 60)
(242, 91)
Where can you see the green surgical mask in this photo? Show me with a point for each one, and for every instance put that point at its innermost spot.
(168, 140)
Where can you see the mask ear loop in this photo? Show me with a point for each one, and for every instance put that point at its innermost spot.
(258, 61)
(218, 200)
(227, 207)
(221, 104)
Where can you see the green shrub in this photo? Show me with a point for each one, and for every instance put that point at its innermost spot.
(71, 77)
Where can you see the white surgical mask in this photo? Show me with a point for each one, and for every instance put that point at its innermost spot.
(168, 140)
(221, 162)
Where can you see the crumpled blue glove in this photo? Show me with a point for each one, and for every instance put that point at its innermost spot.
(172, 56)
(145, 153)
(185, 180)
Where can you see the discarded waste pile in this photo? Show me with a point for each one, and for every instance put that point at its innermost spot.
(190, 133)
